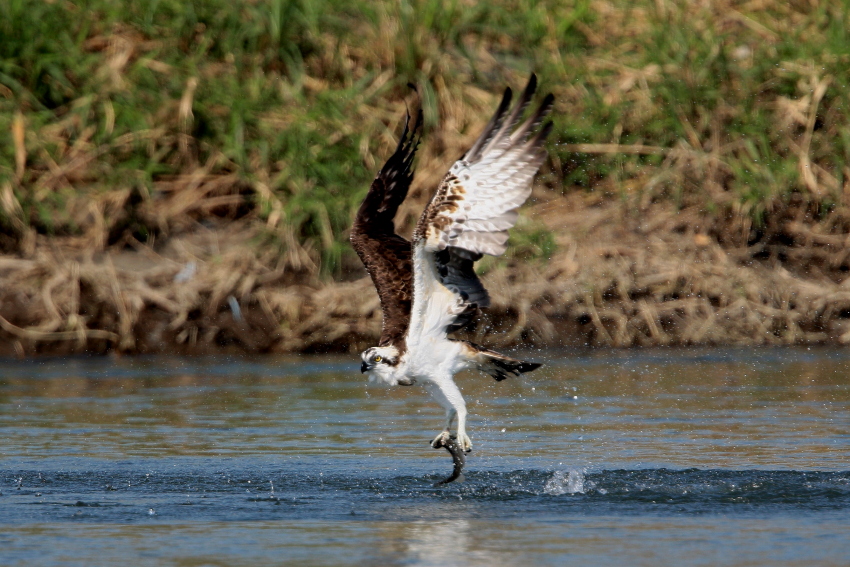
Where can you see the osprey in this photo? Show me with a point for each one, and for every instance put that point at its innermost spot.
(428, 287)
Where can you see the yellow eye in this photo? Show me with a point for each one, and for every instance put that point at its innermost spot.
(378, 358)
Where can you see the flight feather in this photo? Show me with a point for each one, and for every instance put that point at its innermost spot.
(386, 255)
(477, 201)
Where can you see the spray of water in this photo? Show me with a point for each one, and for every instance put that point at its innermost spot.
(565, 482)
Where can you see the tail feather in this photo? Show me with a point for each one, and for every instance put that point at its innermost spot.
(498, 365)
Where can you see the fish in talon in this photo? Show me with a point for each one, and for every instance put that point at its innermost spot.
(458, 457)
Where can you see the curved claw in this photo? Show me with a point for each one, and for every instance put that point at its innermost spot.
(441, 440)
(465, 442)
(445, 439)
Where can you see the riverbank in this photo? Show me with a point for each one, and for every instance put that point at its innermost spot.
(176, 180)
(620, 277)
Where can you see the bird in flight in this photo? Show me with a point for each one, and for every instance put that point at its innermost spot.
(427, 286)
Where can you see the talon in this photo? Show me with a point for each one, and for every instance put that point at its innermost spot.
(465, 442)
(440, 440)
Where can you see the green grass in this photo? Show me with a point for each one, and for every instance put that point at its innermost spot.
(300, 100)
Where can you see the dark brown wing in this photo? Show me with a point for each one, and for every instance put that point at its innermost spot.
(386, 255)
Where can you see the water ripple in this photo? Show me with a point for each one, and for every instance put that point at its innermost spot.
(244, 494)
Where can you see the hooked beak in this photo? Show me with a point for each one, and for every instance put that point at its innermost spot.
(363, 367)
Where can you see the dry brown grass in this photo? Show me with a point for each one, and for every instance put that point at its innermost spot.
(661, 277)
(620, 278)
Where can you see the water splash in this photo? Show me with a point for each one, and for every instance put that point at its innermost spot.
(569, 482)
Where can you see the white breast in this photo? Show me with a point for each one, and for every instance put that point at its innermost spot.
(430, 354)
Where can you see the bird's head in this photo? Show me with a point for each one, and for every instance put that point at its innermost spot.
(382, 365)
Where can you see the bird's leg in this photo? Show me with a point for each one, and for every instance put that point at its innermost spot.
(448, 395)
(462, 438)
(450, 417)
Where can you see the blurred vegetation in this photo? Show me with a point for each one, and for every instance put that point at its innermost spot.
(127, 120)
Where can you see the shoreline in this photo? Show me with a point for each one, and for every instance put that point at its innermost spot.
(658, 278)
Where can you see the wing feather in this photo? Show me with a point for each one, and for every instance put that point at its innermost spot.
(476, 202)
(492, 127)
(386, 255)
(498, 139)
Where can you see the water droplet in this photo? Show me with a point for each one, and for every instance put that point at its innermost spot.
(571, 482)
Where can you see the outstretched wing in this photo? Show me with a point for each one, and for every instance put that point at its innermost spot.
(386, 255)
(477, 202)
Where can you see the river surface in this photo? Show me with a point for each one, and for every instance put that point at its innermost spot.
(648, 457)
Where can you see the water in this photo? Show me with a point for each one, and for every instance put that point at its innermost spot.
(715, 457)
